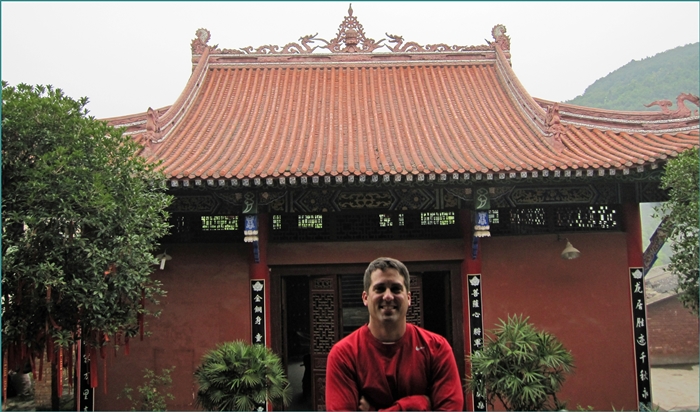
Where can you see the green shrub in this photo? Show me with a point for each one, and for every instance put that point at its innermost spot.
(521, 367)
(151, 396)
(239, 376)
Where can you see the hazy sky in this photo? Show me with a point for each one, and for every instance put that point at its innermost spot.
(127, 56)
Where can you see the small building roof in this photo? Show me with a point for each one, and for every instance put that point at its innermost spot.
(353, 106)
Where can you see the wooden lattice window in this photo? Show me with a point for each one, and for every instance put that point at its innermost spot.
(437, 218)
(555, 219)
(219, 223)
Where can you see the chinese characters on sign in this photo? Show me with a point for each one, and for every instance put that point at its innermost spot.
(257, 300)
(640, 337)
(87, 394)
(476, 330)
(257, 312)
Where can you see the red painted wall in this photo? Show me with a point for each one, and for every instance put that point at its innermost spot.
(584, 302)
(208, 302)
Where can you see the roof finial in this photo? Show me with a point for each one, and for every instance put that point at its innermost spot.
(350, 10)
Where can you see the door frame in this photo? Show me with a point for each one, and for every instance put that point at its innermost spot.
(277, 272)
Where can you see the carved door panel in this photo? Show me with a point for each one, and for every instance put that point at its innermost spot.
(324, 333)
(415, 311)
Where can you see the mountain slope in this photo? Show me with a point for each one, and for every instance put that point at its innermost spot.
(639, 82)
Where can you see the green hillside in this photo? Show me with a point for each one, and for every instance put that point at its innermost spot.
(639, 82)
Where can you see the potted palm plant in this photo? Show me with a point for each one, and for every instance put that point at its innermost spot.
(237, 376)
(521, 367)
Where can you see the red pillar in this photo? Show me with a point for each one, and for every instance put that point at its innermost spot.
(633, 228)
(470, 266)
(260, 270)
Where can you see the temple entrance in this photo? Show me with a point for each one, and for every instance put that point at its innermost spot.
(316, 310)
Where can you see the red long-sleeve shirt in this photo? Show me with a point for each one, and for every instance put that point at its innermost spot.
(393, 376)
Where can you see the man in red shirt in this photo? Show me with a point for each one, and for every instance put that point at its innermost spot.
(390, 364)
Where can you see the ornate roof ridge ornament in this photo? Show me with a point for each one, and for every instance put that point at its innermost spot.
(199, 43)
(500, 37)
(351, 35)
(351, 38)
(681, 110)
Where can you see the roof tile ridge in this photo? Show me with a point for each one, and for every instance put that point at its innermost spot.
(439, 165)
(177, 110)
(614, 114)
(253, 154)
(390, 140)
(173, 151)
(296, 158)
(281, 161)
(434, 119)
(405, 146)
(369, 87)
(523, 97)
(486, 146)
(656, 121)
(269, 164)
(518, 144)
(473, 129)
(227, 157)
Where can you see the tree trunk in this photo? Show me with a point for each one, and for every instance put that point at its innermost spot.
(55, 400)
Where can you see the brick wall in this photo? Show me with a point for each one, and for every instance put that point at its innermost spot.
(672, 332)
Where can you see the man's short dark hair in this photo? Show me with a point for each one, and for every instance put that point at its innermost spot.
(384, 263)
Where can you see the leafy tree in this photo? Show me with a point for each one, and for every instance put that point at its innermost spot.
(237, 376)
(681, 179)
(82, 214)
(521, 367)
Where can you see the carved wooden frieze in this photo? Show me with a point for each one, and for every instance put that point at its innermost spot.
(315, 201)
(201, 204)
(365, 200)
(413, 199)
(532, 196)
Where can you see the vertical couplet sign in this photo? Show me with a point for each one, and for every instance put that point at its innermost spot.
(86, 398)
(257, 288)
(641, 345)
(476, 330)
(257, 294)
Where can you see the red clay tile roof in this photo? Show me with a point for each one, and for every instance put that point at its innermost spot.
(412, 111)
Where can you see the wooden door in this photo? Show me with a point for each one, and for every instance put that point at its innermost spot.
(324, 332)
(327, 326)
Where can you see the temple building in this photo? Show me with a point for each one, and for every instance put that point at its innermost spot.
(294, 166)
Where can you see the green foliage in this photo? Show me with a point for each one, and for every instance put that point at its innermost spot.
(681, 179)
(152, 395)
(82, 214)
(237, 376)
(521, 367)
(639, 82)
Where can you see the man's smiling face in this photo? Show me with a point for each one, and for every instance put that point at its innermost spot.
(387, 298)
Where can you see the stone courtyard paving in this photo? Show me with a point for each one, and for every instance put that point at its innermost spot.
(676, 388)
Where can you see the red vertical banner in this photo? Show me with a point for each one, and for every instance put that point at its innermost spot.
(59, 372)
